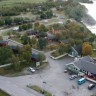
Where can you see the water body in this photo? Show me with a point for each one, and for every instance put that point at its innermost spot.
(90, 19)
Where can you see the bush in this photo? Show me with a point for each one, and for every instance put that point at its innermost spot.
(40, 90)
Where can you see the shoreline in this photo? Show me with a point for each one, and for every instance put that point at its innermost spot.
(90, 19)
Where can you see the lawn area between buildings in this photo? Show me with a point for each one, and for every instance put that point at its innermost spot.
(40, 90)
(57, 54)
(17, 39)
(2, 93)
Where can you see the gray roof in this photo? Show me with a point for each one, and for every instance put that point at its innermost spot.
(3, 42)
(64, 41)
(87, 58)
(51, 36)
(86, 65)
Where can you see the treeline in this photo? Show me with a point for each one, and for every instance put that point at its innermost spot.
(24, 7)
(84, 1)
(8, 21)
(25, 26)
(71, 8)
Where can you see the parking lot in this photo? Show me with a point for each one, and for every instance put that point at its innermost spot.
(56, 81)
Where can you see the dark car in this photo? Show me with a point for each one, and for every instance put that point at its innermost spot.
(91, 86)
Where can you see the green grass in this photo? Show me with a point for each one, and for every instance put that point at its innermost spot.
(26, 15)
(9, 3)
(9, 71)
(4, 34)
(16, 39)
(40, 90)
(56, 53)
(2, 93)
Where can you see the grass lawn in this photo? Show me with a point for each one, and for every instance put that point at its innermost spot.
(16, 39)
(10, 3)
(26, 15)
(4, 34)
(40, 90)
(2, 93)
(9, 71)
(56, 54)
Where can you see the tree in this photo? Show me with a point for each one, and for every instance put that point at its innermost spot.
(1, 22)
(59, 35)
(33, 41)
(25, 39)
(87, 49)
(63, 48)
(8, 21)
(49, 14)
(15, 63)
(91, 39)
(5, 55)
(20, 28)
(30, 25)
(1, 38)
(24, 27)
(36, 26)
(42, 42)
(18, 20)
(74, 10)
(9, 33)
(43, 28)
(41, 57)
(43, 15)
(26, 53)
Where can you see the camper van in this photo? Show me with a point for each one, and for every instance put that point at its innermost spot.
(81, 81)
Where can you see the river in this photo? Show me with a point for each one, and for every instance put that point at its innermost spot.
(91, 16)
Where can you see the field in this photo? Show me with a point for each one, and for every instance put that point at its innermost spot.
(18, 2)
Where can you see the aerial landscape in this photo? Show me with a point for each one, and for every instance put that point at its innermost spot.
(47, 48)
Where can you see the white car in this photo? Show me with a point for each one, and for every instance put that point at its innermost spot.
(73, 77)
(31, 69)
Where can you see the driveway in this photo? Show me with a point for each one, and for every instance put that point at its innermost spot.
(57, 82)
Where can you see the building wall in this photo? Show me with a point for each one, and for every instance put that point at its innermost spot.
(72, 68)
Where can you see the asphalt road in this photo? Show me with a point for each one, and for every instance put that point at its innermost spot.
(57, 82)
(13, 89)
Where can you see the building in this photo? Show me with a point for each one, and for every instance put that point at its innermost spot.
(76, 51)
(51, 36)
(16, 29)
(32, 32)
(15, 49)
(84, 65)
(3, 43)
(64, 41)
(34, 56)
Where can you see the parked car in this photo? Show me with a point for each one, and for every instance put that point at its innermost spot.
(65, 71)
(91, 86)
(81, 81)
(73, 77)
(31, 69)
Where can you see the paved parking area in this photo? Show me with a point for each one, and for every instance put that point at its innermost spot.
(57, 82)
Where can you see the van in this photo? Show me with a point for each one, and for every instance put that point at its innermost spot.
(81, 81)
